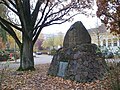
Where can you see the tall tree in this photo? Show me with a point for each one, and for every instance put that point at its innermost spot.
(33, 16)
(109, 12)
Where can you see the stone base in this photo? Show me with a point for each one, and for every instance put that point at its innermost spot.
(83, 63)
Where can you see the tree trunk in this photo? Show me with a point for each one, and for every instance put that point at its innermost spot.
(26, 55)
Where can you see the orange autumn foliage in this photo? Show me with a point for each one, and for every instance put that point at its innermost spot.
(109, 13)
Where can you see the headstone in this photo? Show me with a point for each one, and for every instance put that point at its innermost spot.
(76, 35)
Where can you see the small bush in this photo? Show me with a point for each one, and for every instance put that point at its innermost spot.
(53, 52)
(114, 75)
(3, 56)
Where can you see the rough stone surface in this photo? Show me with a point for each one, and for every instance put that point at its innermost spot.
(83, 65)
(84, 60)
(76, 35)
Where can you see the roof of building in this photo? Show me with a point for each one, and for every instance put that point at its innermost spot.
(100, 29)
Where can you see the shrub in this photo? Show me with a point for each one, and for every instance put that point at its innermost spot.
(3, 56)
(114, 75)
(53, 52)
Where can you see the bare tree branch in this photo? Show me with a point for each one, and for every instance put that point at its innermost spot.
(7, 5)
(45, 18)
(108, 15)
(58, 12)
(42, 14)
(19, 9)
(36, 11)
(37, 34)
(50, 23)
(5, 21)
(11, 32)
(11, 2)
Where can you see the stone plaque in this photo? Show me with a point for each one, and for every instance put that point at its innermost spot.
(62, 68)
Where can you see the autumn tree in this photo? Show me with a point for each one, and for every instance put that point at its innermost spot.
(11, 41)
(59, 39)
(3, 38)
(49, 42)
(39, 42)
(109, 13)
(3, 34)
(31, 17)
(53, 41)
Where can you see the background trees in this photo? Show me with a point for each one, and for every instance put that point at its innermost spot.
(3, 38)
(31, 16)
(39, 42)
(109, 12)
(53, 41)
(49, 42)
(3, 34)
(59, 39)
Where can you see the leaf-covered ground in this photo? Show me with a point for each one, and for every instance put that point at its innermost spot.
(38, 80)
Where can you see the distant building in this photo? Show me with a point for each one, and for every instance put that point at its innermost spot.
(103, 38)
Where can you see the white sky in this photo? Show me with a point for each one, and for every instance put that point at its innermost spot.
(88, 22)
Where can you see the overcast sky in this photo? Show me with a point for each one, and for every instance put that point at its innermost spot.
(88, 22)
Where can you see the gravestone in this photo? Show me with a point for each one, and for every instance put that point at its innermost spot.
(76, 35)
(78, 59)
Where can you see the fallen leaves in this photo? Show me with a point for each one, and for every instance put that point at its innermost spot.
(38, 80)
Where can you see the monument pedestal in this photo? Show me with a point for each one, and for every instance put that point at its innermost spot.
(81, 63)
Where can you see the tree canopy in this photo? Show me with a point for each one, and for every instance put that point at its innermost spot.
(109, 12)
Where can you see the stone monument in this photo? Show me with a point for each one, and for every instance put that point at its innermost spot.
(78, 59)
(76, 35)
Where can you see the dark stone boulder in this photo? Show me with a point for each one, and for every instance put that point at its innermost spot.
(76, 35)
(82, 65)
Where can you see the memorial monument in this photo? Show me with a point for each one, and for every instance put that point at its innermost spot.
(78, 59)
(76, 35)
